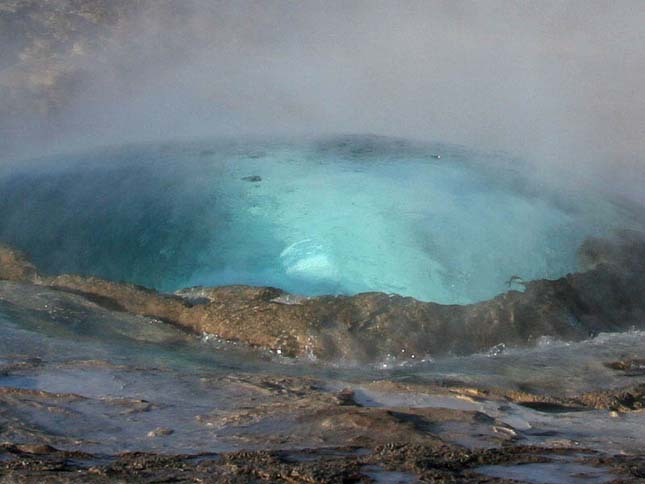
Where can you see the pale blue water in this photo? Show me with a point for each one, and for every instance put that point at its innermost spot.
(342, 216)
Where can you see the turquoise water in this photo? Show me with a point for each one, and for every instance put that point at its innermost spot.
(341, 216)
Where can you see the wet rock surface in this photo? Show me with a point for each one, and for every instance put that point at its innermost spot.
(287, 429)
(371, 326)
(75, 419)
(261, 428)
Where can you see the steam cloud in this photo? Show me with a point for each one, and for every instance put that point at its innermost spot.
(558, 83)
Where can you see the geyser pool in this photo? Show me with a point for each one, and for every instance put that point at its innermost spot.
(338, 216)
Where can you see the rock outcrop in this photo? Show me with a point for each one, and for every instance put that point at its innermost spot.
(14, 266)
(370, 327)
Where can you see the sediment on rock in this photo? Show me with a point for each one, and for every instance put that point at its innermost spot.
(368, 327)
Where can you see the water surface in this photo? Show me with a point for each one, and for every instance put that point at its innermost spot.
(336, 216)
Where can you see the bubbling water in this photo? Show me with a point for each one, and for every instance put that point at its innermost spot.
(338, 216)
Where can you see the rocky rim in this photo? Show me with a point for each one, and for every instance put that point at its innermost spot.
(606, 296)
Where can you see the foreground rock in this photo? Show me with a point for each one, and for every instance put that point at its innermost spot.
(608, 296)
(261, 428)
(394, 462)
(81, 412)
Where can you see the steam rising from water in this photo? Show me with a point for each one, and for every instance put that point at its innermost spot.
(557, 83)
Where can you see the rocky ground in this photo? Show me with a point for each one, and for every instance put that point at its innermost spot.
(298, 432)
(304, 430)
(397, 463)
(91, 417)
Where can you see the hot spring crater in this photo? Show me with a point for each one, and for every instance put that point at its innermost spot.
(341, 215)
(348, 249)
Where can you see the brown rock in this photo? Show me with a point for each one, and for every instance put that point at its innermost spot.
(14, 266)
